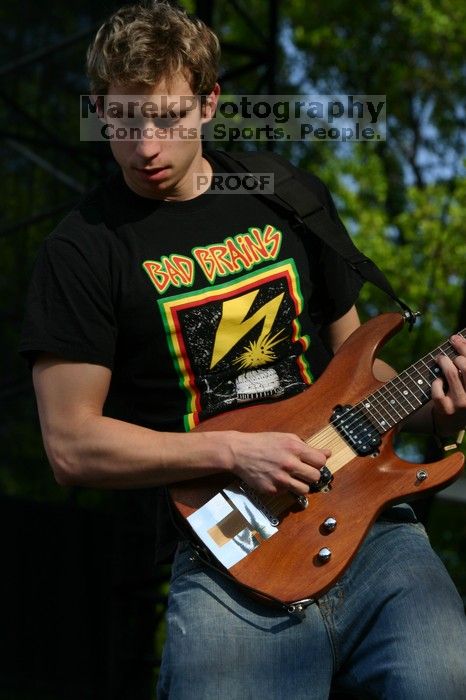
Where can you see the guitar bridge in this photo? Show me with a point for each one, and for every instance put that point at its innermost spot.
(253, 496)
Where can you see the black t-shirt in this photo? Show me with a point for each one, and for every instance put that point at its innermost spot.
(196, 306)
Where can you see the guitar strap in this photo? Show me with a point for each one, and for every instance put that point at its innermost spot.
(291, 194)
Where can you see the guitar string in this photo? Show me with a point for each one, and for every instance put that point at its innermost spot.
(361, 413)
(400, 379)
(449, 351)
(330, 431)
(276, 503)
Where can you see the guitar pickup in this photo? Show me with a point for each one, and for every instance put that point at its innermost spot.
(356, 429)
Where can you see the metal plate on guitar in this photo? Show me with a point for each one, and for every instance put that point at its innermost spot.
(231, 525)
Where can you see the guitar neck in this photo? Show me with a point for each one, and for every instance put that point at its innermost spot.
(407, 392)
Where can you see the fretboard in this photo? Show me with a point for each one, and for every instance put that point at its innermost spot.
(407, 392)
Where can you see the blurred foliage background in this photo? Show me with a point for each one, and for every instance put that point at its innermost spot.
(78, 570)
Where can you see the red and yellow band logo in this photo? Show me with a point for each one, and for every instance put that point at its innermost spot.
(234, 254)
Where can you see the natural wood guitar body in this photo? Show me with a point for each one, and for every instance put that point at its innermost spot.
(287, 566)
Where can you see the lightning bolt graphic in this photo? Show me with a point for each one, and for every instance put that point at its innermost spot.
(233, 327)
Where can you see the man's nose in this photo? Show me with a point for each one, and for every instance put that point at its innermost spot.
(148, 147)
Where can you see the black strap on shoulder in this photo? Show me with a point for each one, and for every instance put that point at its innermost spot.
(298, 199)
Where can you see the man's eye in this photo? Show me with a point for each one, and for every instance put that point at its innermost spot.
(165, 122)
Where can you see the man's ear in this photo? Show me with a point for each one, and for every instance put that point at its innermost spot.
(209, 104)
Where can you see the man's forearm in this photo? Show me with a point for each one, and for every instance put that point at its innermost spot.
(109, 453)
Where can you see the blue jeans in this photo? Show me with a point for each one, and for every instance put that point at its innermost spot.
(393, 627)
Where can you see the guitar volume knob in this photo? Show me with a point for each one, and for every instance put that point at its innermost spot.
(329, 524)
(324, 555)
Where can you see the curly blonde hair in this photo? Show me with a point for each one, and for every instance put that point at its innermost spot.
(143, 44)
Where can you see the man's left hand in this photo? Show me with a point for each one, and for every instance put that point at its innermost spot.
(449, 402)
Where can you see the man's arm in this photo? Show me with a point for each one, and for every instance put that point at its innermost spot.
(86, 448)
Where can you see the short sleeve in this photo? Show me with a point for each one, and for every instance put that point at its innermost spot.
(69, 309)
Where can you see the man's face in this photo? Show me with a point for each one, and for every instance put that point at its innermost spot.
(162, 167)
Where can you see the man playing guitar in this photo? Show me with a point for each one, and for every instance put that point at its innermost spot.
(155, 305)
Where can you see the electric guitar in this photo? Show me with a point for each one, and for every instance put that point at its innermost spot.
(292, 549)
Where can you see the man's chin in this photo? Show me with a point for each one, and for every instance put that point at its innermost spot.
(152, 187)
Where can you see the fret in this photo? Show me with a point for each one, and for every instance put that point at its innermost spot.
(404, 393)
(408, 391)
(366, 406)
(383, 395)
(434, 371)
(383, 405)
(395, 408)
(422, 369)
(425, 391)
(395, 403)
(411, 386)
(414, 386)
(427, 367)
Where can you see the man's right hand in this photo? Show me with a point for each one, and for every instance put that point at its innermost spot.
(275, 462)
